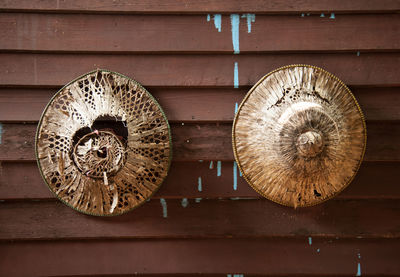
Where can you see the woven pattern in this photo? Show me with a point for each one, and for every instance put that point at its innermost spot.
(98, 172)
(299, 136)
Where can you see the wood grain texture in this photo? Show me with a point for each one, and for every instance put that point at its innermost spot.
(269, 257)
(373, 181)
(191, 104)
(204, 6)
(208, 218)
(370, 69)
(212, 141)
(175, 33)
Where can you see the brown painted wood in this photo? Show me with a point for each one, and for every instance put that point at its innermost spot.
(208, 218)
(192, 33)
(193, 142)
(192, 104)
(373, 69)
(267, 257)
(204, 6)
(375, 180)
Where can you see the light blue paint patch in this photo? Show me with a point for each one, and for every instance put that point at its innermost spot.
(197, 200)
(240, 173)
(235, 20)
(1, 131)
(302, 15)
(185, 202)
(318, 250)
(236, 107)
(308, 14)
(322, 15)
(236, 76)
(237, 275)
(234, 176)
(200, 161)
(208, 17)
(164, 207)
(359, 255)
(211, 165)
(332, 16)
(358, 269)
(199, 184)
(228, 275)
(251, 18)
(358, 53)
(217, 22)
(309, 240)
(219, 168)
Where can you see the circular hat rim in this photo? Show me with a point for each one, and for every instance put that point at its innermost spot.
(40, 124)
(244, 101)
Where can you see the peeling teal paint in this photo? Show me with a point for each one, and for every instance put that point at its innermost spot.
(235, 21)
(197, 200)
(200, 161)
(185, 202)
(318, 250)
(217, 22)
(358, 269)
(240, 173)
(302, 15)
(199, 184)
(236, 75)
(358, 53)
(236, 107)
(211, 165)
(164, 207)
(234, 176)
(219, 168)
(322, 15)
(309, 240)
(251, 18)
(332, 16)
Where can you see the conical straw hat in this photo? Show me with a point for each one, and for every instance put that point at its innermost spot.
(299, 136)
(103, 144)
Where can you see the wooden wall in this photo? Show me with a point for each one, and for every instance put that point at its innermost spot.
(177, 51)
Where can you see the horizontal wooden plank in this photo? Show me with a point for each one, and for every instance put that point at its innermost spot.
(204, 6)
(193, 142)
(207, 218)
(251, 257)
(375, 180)
(24, 69)
(175, 33)
(191, 104)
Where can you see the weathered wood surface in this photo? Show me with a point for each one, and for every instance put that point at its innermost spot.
(204, 6)
(191, 104)
(25, 69)
(212, 141)
(193, 33)
(189, 67)
(269, 257)
(373, 181)
(208, 218)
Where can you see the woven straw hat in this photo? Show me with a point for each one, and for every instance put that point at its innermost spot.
(299, 136)
(103, 144)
